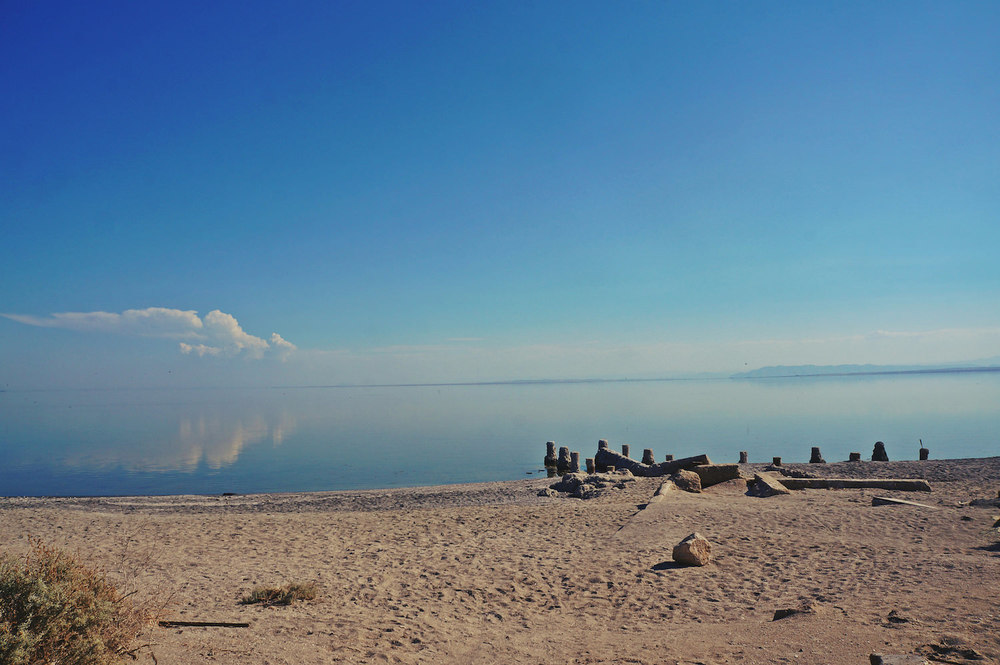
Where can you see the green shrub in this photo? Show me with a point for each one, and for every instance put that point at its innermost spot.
(283, 595)
(54, 609)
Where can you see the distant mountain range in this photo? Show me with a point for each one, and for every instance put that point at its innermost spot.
(784, 371)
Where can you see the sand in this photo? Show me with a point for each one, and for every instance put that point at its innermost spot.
(493, 573)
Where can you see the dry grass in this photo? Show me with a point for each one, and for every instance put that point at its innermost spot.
(55, 609)
(283, 595)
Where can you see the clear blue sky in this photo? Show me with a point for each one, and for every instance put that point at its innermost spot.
(467, 191)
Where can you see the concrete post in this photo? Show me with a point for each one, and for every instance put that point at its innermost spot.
(574, 462)
(668, 458)
(590, 465)
(550, 453)
(647, 456)
(564, 461)
(816, 457)
(854, 457)
(625, 449)
(879, 454)
(776, 461)
(744, 458)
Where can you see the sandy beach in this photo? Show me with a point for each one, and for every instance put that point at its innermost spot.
(495, 573)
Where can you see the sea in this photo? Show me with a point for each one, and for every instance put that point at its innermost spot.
(290, 439)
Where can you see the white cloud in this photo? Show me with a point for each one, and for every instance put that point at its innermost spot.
(149, 322)
(217, 334)
(200, 349)
(225, 329)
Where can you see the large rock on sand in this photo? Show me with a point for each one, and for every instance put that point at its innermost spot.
(695, 550)
(689, 481)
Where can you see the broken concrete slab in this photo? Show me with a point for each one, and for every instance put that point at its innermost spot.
(898, 484)
(607, 458)
(768, 484)
(713, 474)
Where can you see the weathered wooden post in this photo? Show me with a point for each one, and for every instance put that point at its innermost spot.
(625, 449)
(590, 465)
(564, 460)
(574, 462)
(550, 454)
(647, 456)
(776, 461)
(924, 453)
(879, 454)
(816, 457)
(744, 458)
(854, 457)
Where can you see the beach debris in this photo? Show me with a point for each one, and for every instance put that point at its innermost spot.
(647, 456)
(550, 454)
(951, 649)
(713, 474)
(776, 461)
(888, 501)
(898, 484)
(689, 481)
(606, 458)
(896, 659)
(203, 624)
(985, 503)
(924, 453)
(563, 464)
(854, 457)
(767, 484)
(879, 454)
(695, 550)
(744, 457)
(588, 486)
(816, 457)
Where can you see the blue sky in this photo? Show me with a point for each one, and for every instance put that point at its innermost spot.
(478, 191)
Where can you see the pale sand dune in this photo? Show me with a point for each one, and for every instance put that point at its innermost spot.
(492, 573)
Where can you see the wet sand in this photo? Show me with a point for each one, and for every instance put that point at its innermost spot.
(494, 573)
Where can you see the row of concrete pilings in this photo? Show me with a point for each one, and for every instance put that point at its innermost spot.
(569, 461)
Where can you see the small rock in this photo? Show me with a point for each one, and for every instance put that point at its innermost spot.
(689, 481)
(808, 607)
(695, 550)
(548, 491)
(896, 617)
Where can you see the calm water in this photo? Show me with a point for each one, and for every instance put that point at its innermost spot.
(270, 440)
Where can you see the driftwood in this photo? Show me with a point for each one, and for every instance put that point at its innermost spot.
(605, 458)
(888, 501)
(199, 624)
(901, 484)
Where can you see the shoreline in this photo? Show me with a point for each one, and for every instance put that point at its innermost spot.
(478, 493)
